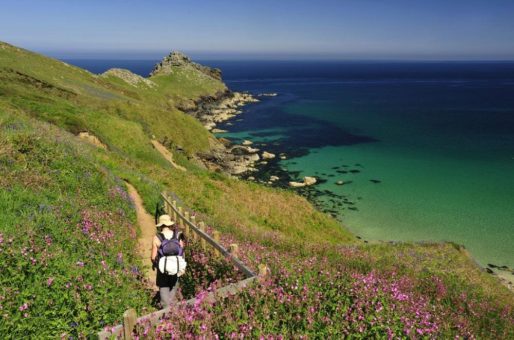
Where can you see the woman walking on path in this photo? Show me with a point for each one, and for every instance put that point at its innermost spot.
(167, 283)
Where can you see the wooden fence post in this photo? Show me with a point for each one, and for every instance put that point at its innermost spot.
(186, 219)
(166, 208)
(179, 213)
(216, 237)
(168, 205)
(201, 226)
(129, 321)
(174, 207)
(193, 220)
(234, 250)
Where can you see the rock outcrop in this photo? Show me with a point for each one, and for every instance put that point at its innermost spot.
(296, 184)
(267, 155)
(307, 181)
(179, 59)
(213, 110)
(234, 160)
(129, 77)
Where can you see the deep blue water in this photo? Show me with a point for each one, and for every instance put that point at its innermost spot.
(426, 149)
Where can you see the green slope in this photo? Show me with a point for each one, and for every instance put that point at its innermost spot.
(45, 103)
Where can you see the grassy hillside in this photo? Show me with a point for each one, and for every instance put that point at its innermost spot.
(59, 209)
(69, 198)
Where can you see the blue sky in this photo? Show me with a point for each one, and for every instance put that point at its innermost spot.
(351, 29)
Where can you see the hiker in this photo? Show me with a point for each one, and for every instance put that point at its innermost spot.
(167, 283)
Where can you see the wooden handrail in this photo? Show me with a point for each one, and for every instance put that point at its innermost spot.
(124, 330)
(181, 215)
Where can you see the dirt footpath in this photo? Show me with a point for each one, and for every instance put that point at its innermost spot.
(147, 226)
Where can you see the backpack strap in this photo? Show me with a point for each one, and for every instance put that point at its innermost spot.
(160, 236)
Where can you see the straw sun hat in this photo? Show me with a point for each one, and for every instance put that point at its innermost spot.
(165, 220)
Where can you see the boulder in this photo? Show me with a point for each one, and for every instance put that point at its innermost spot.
(296, 184)
(309, 180)
(267, 155)
(224, 141)
(253, 157)
(209, 125)
(274, 178)
(247, 142)
(243, 150)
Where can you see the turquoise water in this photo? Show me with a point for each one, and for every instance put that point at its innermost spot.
(423, 197)
(440, 153)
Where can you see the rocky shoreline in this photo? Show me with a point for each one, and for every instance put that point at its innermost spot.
(250, 161)
(255, 162)
(212, 110)
(225, 156)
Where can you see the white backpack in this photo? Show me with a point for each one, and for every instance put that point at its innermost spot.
(172, 265)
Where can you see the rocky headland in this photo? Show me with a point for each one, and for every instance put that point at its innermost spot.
(243, 160)
(179, 59)
(211, 110)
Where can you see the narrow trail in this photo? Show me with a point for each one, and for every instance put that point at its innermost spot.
(167, 155)
(147, 226)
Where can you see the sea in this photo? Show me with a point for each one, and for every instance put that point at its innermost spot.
(424, 150)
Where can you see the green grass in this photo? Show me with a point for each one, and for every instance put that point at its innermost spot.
(188, 83)
(59, 210)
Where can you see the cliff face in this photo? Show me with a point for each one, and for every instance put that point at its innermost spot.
(177, 59)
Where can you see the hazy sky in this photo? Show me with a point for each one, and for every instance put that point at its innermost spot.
(352, 29)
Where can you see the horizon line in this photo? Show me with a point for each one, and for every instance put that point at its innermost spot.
(306, 59)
